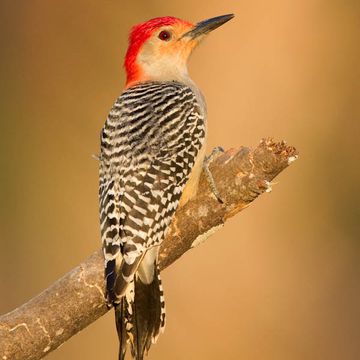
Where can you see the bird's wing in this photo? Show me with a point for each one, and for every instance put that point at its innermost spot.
(148, 147)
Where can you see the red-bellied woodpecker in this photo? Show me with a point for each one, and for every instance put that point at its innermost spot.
(152, 152)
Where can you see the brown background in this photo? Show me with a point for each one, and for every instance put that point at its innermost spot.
(280, 281)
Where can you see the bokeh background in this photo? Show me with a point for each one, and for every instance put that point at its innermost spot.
(288, 286)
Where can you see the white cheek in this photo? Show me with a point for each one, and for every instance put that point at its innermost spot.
(162, 66)
(147, 53)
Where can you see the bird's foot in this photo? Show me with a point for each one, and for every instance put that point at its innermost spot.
(210, 179)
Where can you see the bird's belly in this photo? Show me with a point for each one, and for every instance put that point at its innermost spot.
(192, 184)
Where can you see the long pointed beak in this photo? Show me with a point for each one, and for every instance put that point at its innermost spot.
(205, 26)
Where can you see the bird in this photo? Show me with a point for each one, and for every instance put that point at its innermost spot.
(152, 152)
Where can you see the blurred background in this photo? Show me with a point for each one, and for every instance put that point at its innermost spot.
(287, 69)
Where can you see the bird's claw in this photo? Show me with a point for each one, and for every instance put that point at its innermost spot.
(209, 177)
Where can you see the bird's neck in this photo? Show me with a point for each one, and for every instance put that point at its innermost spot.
(161, 71)
(164, 69)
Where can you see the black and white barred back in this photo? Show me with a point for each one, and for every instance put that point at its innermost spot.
(149, 144)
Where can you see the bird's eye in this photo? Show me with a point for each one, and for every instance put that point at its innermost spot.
(165, 35)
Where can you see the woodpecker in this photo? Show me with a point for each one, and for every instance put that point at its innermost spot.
(152, 154)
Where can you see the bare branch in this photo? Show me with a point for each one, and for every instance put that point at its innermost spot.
(77, 299)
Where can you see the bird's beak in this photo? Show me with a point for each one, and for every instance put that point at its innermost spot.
(205, 26)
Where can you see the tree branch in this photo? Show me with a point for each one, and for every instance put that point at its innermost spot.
(77, 299)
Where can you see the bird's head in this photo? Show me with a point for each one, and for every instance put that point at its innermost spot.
(159, 48)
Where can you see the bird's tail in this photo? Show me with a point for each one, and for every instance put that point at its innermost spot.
(140, 316)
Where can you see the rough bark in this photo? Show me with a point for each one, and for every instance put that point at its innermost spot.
(77, 299)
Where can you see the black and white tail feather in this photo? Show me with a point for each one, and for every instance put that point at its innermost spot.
(149, 145)
(140, 316)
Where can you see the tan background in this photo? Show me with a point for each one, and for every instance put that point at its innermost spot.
(280, 281)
